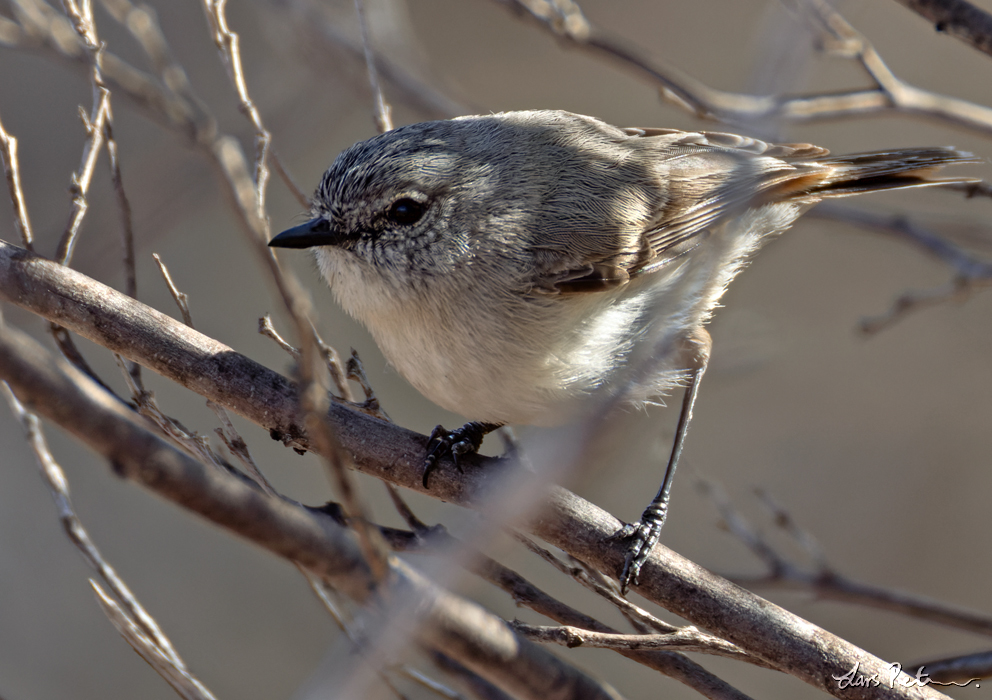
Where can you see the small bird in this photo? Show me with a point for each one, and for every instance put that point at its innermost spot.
(511, 266)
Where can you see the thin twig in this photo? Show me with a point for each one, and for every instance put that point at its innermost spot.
(186, 685)
(526, 594)
(288, 180)
(12, 172)
(237, 446)
(383, 112)
(228, 43)
(640, 618)
(969, 272)
(685, 639)
(313, 21)
(371, 405)
(957, 670)
(127, 231)
(957, 289)
(58, 486)
(826, 582)
(957, 18)
(564, 20)
(266, 328)
(95, 124)
(312, 396)
(181, 299)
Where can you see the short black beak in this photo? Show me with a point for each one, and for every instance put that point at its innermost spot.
(313, 233)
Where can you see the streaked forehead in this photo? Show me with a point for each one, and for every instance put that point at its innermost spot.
(400, 158)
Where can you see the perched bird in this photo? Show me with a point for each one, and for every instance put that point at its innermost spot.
(511, 266)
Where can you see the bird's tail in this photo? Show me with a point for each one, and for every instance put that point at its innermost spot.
(888, 170)
(841, 176)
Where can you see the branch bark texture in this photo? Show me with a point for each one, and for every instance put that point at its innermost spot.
(576, 526)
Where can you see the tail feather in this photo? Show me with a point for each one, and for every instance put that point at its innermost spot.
(888, 170)
(840, 176)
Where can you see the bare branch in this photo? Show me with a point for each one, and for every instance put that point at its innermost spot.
(526, 594)
(957, 670)
(970, 273)
(229, 44)
(394, 454)
(827, 583)
(130, 617)
(127, 230)
(12, 172)
(185, 684)
(447, 623)
(564, 20)
(383, 118)
(312, 21)
(96, 124)
(958, 289)
(266, 328)
(182, 300)
(371, 405)
(959, 19)
(682, 639)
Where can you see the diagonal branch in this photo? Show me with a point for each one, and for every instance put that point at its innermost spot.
(452, 625)
(959, 19)
(394, 454)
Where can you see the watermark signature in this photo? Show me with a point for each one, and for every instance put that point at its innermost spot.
(895, 677)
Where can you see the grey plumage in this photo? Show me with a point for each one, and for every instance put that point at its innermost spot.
(552, 245)
(511, 266)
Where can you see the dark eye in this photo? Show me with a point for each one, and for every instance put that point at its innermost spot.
(406, 211)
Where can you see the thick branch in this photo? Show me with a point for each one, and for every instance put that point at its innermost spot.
(452, 625)
(384, 450)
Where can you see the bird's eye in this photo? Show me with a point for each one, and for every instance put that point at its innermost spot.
(406, 211)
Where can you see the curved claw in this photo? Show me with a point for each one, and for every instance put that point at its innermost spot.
(643, 536)
(461, 441)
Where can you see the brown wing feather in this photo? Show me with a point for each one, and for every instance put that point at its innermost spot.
(713, 175)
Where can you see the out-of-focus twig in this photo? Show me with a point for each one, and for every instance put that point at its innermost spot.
(957, 289)
(138, 621)
(957, 18)
(969, 272)
(823, 580)
(311, 19)
(383, 112)
(956, 670)
(564, 20)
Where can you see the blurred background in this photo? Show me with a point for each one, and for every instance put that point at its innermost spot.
(879, 446)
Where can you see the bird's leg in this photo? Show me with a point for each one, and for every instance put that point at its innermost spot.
(461, 441)
(644, 534)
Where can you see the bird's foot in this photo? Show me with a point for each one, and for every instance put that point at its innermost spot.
(642, 536)
(461, 441)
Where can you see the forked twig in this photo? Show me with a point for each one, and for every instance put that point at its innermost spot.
(822, 579)
(564, 20)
